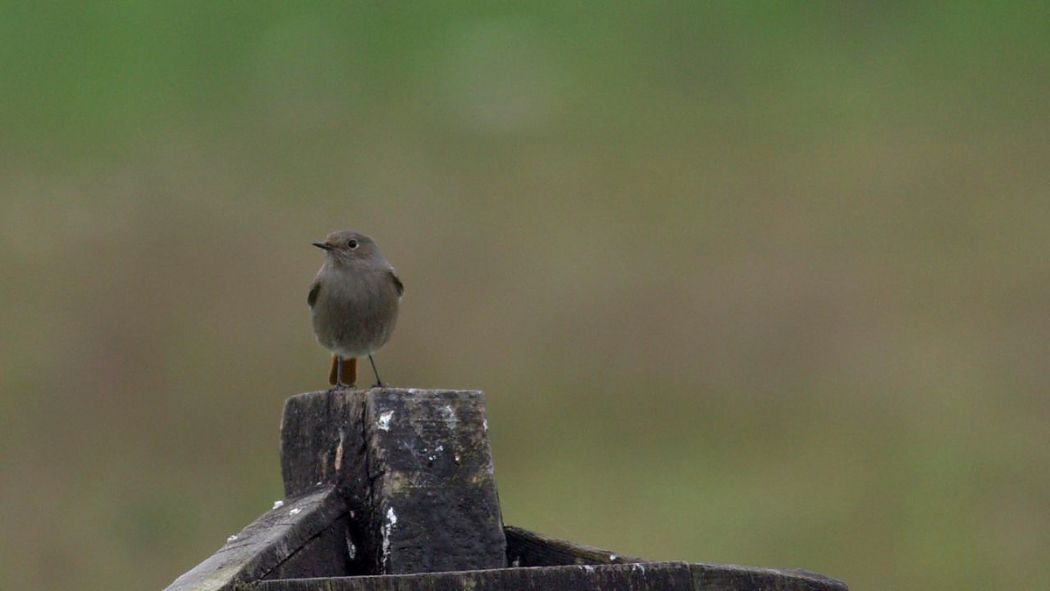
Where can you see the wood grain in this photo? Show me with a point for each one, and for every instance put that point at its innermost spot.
(653, 576)
(414, 467)
(296, 538)
(526, 548)
(394, 489)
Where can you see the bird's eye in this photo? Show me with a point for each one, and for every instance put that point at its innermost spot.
(352, 243)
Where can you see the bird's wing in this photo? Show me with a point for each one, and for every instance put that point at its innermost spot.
(314, 290)
(397, 282)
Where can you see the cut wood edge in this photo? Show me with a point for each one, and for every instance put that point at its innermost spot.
(264, 545)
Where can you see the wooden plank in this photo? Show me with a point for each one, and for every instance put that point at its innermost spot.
(728, 577)
(415, 469)
(628, 577)
(325, 555)
(526, 548)
(645, 576)
(434, 500)
(297, 535)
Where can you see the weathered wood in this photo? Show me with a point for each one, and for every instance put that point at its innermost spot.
(653, 576)
(415, 468)
(323, 441)
(394, 490)
(296, 539)
(730, 577)
(434, 497)
(327, 554)
(526, 548)
(634, 577)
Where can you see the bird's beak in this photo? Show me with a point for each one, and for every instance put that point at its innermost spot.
(323, 245)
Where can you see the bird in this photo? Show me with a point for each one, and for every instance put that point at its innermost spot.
(354, 302)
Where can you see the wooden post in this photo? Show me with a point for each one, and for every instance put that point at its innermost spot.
(415, 468)
(394, 490)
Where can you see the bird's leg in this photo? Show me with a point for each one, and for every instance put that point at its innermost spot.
(379, 381)
(333, 374)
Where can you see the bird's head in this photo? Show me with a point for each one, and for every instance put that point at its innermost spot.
(346, 246)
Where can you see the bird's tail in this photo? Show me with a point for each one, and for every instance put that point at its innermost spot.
(349, 371)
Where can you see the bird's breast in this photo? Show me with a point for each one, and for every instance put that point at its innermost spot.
(355, 313)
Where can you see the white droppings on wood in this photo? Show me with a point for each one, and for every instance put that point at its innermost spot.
(589, 568)
(384, 420)
(387, 529)
(278, 504)
(450, 417)
(295, 511)
(232, 538)
(485, 425)
(351, 549)
(613, 557)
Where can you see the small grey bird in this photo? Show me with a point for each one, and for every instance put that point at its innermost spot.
(354, 300)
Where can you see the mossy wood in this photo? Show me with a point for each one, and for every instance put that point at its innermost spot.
(395, 489)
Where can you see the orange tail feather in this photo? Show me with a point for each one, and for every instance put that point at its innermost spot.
(349, 371)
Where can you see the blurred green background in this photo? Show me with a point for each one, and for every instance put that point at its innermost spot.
(760, 283)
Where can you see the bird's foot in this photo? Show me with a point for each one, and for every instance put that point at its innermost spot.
(379, 385)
